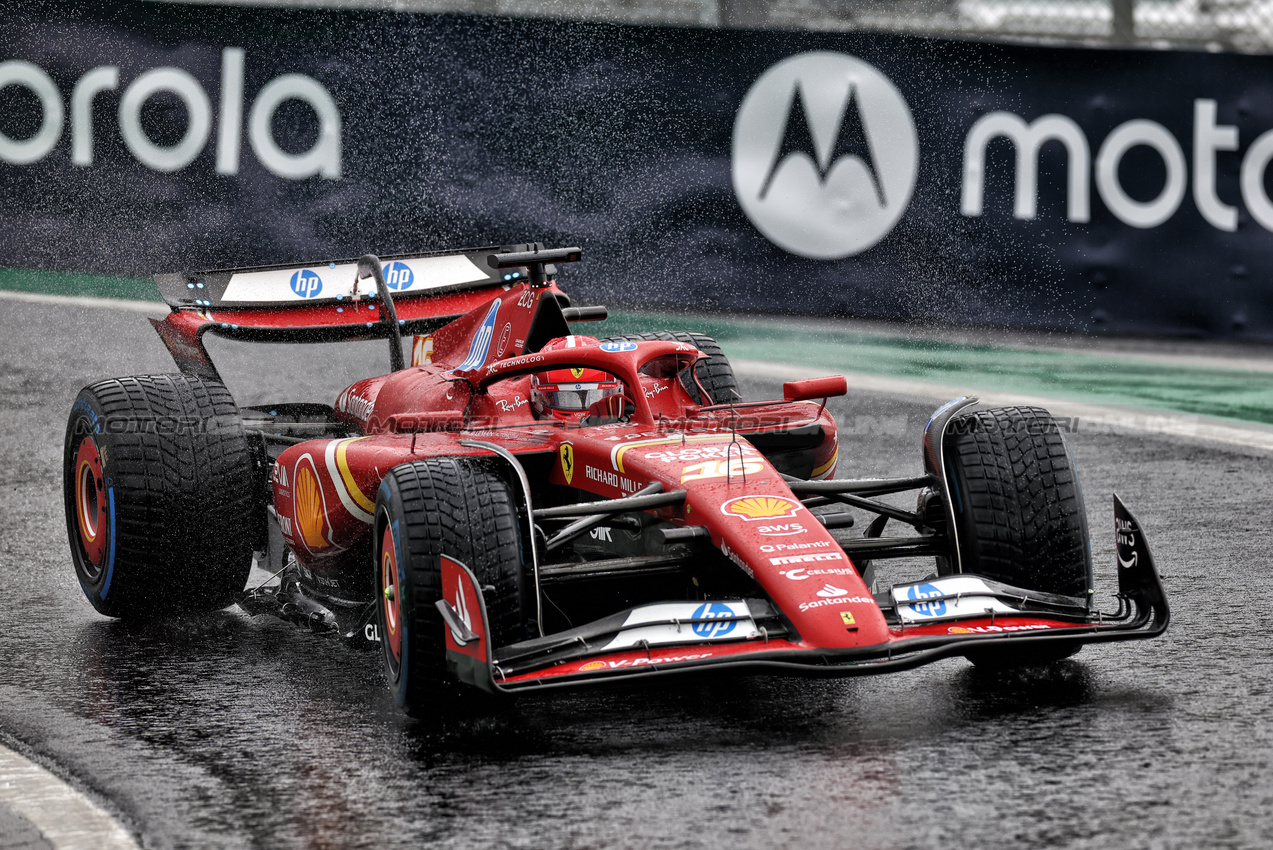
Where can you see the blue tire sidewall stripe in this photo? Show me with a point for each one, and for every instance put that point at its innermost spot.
(110, 558)
(405, 640)
(386, 495)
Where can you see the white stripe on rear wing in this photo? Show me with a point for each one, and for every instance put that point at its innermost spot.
(309, 283)
(335, 281)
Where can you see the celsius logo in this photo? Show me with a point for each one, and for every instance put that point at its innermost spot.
(825, 155)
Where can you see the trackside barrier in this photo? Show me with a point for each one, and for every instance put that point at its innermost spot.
(858, 174)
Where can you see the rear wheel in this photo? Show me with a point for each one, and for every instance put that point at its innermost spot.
(714, 373)
(160, 496)
(459, 507)
(1019, 511)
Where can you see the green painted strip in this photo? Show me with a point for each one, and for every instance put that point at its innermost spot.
(1070, 375)
(79, 285)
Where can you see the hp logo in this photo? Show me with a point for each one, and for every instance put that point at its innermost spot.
(399, 276)
(926, 609)
(307, 284)
(722, 614)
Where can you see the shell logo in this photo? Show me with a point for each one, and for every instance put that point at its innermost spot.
(310, 510)
(752, 508)
(959, 630)
(591, 666)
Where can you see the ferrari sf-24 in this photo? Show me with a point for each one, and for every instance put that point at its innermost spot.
(524, 507)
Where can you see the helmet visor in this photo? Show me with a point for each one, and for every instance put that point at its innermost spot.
(575, 396)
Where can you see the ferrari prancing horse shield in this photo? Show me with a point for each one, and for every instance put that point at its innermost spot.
(568, 461)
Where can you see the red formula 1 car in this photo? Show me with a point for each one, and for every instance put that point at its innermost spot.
(524, 508)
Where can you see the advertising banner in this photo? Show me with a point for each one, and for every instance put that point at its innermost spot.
(819, 173)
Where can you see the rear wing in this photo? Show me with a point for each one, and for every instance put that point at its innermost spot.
(409, 276)
(331, 301)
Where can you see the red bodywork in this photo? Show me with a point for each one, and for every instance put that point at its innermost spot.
(470, 380)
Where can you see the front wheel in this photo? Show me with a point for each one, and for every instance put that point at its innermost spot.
(455, 506)
(1019, 513)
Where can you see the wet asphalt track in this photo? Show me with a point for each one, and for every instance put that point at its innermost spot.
(230, 732)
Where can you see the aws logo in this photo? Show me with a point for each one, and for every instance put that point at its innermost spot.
(824, 155)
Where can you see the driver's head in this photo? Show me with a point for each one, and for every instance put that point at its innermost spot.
(566, 393)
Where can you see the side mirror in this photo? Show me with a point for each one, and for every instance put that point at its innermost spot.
(815, 388)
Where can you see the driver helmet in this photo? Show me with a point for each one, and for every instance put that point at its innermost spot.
(567, 392)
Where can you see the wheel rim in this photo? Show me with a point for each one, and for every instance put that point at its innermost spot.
(91, 506)
(390, 601)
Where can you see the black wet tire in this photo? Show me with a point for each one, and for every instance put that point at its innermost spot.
(1018, 504)
(461, 507)
(161, 497)
(714, 373)
(1019, 513)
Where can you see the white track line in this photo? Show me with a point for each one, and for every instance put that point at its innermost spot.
(1105, 418)
(1100, 418)
(84, 301)
(67, 819)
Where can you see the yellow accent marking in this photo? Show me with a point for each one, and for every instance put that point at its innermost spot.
(422, 350)
(822, 470)
(347, 476)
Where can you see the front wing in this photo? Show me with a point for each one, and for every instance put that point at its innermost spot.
(946, 617)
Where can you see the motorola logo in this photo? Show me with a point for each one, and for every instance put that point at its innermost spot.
(824, 155)
(323, 158)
